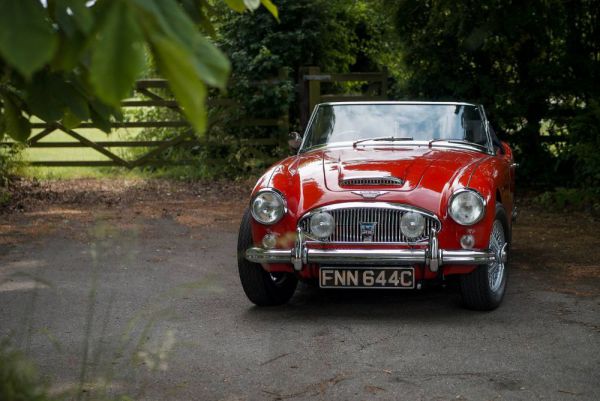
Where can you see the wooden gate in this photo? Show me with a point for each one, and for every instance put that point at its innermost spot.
(147, 93)
(311, 91)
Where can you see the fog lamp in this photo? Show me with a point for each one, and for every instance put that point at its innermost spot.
(412, 225)
(322, 225)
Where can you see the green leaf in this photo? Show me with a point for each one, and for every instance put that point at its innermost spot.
(2, 125)
(236, 5)
(268, 4)
(49, 95)
(70, 120)
(210, 63)
(27, 39)
(118, 55)
(252, 4)
(43, 96)
(179, 69)
(100, 115)
(69, 52)
(17, 126)
(81, 14)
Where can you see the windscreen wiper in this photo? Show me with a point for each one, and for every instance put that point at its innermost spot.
(384, 138)
(458, 141)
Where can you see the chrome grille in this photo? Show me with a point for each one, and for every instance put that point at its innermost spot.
(387, 228)
(372, 181)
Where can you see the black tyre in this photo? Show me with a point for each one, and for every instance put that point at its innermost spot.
(484, 288)
(261, 287)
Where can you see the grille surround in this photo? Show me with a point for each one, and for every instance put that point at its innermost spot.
(348, 217)
(371, 181)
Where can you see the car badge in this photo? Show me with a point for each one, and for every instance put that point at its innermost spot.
(367, 231)
(370, 194)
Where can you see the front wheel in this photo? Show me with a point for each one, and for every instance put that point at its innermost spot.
(484, 288)
(261, 287)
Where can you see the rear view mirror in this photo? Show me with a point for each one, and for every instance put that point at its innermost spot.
(295, 141)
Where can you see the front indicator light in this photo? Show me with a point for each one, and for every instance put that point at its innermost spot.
(467, 241)
(269, 241)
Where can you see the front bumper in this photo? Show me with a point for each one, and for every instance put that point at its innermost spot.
(432, 256)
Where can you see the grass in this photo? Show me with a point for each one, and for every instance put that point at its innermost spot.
(77, 154)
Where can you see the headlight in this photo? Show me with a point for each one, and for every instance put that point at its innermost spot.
(412, 225)
(322, 225)
(268, 207)
(466, 207)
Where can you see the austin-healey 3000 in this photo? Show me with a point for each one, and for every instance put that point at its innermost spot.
(384, 195)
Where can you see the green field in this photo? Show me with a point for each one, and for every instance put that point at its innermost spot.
(76, 154)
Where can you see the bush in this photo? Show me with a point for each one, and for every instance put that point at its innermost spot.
(19, 380)
(585, 149)
(7, 173)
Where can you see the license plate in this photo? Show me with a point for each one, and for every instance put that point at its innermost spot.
(372, 277)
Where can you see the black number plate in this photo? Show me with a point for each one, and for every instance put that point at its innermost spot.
(371, 277)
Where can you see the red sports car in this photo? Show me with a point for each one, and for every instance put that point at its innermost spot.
(386, 195)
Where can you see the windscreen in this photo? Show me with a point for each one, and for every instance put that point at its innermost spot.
(419, 122)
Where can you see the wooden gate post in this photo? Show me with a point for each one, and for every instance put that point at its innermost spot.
(310, 93)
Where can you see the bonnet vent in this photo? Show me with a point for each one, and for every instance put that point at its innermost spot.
(371, 181)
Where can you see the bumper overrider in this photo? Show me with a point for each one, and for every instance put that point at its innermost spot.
(432, 256)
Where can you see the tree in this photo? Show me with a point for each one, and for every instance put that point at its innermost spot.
(533, 64)
(72, 60)
(336, 35)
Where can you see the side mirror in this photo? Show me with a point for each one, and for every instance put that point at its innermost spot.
(294, 141)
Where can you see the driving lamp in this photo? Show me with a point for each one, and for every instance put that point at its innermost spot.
(466, 207)
(322, 225)
(268, 207)
(412, 225)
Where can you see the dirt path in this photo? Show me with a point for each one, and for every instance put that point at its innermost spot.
(156, 260)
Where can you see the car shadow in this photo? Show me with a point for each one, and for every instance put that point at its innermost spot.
(310, 302)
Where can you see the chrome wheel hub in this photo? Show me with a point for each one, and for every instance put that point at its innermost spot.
(499, 246)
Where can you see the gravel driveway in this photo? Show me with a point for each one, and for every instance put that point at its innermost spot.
(142, 292)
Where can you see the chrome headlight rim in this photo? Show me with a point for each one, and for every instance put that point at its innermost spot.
(477, 195)
(276, 192)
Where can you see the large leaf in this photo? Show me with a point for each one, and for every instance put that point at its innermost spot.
(16, 125)
(81, 14)
(210, 63)
(100, 115)
(49, 95)
(252, 4)
(69, 52)
(72, 15)
(43, 96)
(27, 39)
(178, 68)
(117, 54)
(236, 5)
(268, 4)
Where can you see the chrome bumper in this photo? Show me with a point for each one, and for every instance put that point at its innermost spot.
(432, 256)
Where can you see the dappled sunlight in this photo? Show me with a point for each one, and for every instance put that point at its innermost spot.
(20, 286)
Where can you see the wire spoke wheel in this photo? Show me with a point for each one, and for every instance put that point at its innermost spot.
(496, 269)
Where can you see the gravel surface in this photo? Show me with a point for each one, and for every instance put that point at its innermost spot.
(148, 270)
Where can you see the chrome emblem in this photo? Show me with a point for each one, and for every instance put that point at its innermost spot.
(370, 194)
(367, 231)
